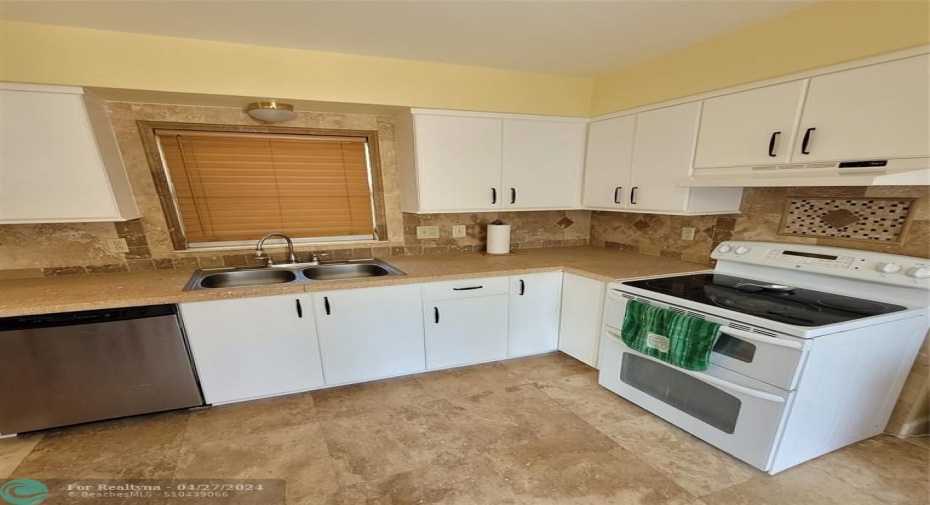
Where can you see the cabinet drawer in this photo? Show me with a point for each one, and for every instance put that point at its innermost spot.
(466, 288)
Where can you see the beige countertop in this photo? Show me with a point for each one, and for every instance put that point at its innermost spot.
(87, 292)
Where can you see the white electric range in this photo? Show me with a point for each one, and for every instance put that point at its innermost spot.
(814, 348)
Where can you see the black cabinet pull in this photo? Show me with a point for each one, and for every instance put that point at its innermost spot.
(633, 195)
(522, 287)
(772, 143)
(493, 195)
(467, 289)
(436, 314)
(513, 196)
(300, 310)
(326, 305)
(805, 144)
(617, 194)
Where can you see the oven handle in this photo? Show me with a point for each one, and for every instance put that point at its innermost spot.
(710, 379)
(761, 338)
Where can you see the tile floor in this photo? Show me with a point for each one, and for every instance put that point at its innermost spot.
(528, 431)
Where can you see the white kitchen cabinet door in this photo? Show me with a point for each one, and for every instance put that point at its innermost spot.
(609, 162)
(754, 127)
(466, 331)
(253, 347)
(582, 308)
(662, 152)
(875, 112)
(535, 302)
(59, 161)
(542, 164)
(370, 333)
(458, 163)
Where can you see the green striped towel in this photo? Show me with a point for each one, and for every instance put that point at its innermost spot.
(677, 339)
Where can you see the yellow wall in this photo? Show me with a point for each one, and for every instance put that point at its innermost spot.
(81, 57)
(823, 34)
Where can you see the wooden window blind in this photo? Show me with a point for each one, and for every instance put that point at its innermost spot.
(240, 186)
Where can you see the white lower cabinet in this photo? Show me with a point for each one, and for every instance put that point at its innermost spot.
(580, 327)
(370, 333)
(253, 347)
(466, 330)
(535, 301)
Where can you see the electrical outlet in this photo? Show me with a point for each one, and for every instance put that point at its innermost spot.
(458, 231)
(687, 233)
(427, 232)
(117, 245)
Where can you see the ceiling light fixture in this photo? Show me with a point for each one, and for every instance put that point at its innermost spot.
(271, 112)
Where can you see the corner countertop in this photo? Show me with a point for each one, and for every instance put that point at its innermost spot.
(101, 291)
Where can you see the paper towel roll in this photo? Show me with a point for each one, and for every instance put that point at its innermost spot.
(498, 239)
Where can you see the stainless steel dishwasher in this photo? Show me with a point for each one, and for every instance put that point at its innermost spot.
(76, 367)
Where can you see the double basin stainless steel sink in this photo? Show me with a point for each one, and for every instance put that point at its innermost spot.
(221, 278)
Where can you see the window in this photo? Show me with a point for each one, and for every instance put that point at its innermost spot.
(223, 188)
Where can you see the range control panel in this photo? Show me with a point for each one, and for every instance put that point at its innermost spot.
(849, 263)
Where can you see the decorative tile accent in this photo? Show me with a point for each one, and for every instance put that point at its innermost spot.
(869, 219)
(565, 222)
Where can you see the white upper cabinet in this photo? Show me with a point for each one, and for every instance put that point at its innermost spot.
(754, 127)
(457, 162)
(59, 161)
(542, 164)
(609, 162)
(634, 162)
(879, 111)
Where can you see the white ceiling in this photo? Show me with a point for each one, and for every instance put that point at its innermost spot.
(575, 37)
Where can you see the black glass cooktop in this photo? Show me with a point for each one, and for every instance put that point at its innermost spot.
(785, 304)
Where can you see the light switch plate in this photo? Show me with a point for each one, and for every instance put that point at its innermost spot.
(458, 231)
(687, 233)
(427, 232)
(117, 245)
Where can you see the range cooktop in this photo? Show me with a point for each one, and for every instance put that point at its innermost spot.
(784, 304)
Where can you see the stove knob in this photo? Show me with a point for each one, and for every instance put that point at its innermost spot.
(724, 248)
(742, 250)
(919, 272)
(889, 268)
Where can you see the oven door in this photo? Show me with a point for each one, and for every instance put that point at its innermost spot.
(736, 414)
(754, 352)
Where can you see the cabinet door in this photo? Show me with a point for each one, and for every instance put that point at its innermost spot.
(50, 168)
(738, 129)
(662, 154)
(609, 161)
(458, 162)
(535, 301)
(253, 347)
(582, 306)
(879, 111)
(370, 333)
(542, 164)
(466, 331)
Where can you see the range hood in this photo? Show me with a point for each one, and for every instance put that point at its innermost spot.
(889, 172)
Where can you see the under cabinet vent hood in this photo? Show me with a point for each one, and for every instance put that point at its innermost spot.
(872, 172)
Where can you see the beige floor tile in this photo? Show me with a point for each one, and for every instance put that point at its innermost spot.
(246, 418)
(470, 482)
(885, 467)
(582, 395)
(144, 447)
(919, 440)
(469, 380)
(591, 470)
(545, 367)
(374, 445)
(798, 485)
(693, 464)
(356, 399)
(296, 454)
(14, 450)
(496, 419)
